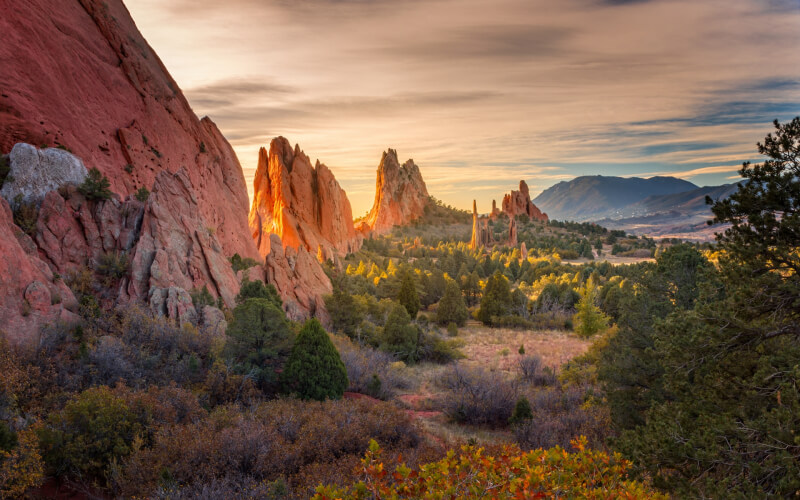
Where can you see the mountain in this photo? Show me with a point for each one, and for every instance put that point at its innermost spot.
(680, 215)
(597, 197)
(400, 195)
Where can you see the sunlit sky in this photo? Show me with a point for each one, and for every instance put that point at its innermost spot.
(484, 93)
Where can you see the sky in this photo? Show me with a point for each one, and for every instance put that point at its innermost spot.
(484, 93)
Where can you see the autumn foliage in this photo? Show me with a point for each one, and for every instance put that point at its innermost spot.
(552, 473)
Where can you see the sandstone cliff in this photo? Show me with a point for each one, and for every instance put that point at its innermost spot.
(303, 205)
(519, 203)
(400, 195)
(79, 75)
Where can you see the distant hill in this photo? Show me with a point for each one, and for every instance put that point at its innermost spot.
(687, 202)
(597, 197)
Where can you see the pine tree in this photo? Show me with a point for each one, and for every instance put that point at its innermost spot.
(400, 337)
(522, 411)
(96, 186)
(407, 296)
(496, 299)
(452, 308)
(314, 369)
(589, 319)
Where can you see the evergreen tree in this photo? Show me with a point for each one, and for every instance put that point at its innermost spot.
(346, 314)
(314, 369)
(258, 290)
(259, 340)
(400, 337)
(96, 186)
(496, 299)
(407, 295)
(589, 319)
(452, 308)
(522, 411)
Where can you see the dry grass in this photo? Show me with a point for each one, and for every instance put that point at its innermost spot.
(498, 348)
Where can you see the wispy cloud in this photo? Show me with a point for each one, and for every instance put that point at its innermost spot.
(484, 95)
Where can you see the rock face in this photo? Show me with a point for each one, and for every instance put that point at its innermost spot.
(73, 233)
(299, 279)
(519, 203)
(400, 195)
(304, 205)
(177, 249)
(30, 296)
(35, 172)
(481, 236)
(512, 232)
(78, 73)
(495, 211)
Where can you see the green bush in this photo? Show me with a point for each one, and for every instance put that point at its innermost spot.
(201, 297)
(259, 341)
(142, 194)
(96, 186)
(25, 215)
(240, 263)
(400, 337)
(408, 296)
(258, 290)
(315, 369)
(94, 429)
(112, 264)
(452, 329)
(8, 438)
(522, 411)
(496, 299)
(452, 308)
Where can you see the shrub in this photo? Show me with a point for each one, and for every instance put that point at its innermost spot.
(240, 263)
(113, 265)
(400, 337)
(509, 475)
(588, 317)
(534, 373)
(452, 308)
(8, 438)
(496, 299)
(142, 194)
(303, 441)
(96, 186)
(362, 362)
(346, 314)
(522, 411)
(408, 296)
(94, 428)
(477, 396)
(452, 329)
(315, 369)
(201, 297)
(258, 290)
(21, 468)
(259, 341)
(25, 215)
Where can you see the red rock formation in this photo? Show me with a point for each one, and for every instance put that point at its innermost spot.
(400, 195)
(299, 279)
(481, 236)
(302, 204)
(495, 211)
(512, 232)
(519, 203)
(30, 296)
(78, 73)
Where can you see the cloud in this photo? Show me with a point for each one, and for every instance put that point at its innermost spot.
(484, 95)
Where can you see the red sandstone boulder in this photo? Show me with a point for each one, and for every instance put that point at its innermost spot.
(400, 195)
(304, 205)
(519, 203)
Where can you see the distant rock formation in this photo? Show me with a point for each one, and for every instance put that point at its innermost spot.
(519, 203)
(495, 211)
(481, 235)
(523, 250)
(302, 204)
(400, 195)
(512, 232)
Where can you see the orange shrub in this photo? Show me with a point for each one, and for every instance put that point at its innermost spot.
(511, 474)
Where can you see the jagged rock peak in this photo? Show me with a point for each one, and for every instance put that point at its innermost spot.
(519, 203)
(400, 195)
(304, 205)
